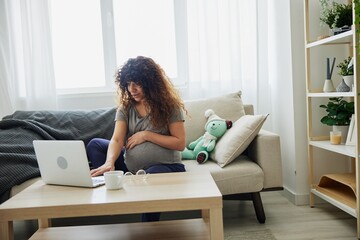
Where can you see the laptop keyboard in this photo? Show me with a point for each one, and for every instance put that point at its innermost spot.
(98, 180)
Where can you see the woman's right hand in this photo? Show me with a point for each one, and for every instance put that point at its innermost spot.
(103, 168)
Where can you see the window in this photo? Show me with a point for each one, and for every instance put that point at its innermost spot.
(139, 31)
(97, 36)
(77, 44)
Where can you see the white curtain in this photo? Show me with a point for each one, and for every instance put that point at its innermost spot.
(227, 45)
(222, 41)
(26, 66)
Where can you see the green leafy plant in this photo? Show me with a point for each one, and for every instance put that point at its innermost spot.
(346, 67)
(336, 15)
(339, 112)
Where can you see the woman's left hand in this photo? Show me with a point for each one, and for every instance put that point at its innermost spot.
(136, 139)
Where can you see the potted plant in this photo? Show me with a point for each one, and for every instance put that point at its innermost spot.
(346, 70)
(339, 112)
(338, 16)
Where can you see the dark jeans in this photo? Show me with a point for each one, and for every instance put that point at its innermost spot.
(97, 150)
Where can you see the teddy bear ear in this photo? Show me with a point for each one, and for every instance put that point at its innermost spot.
(228, 124)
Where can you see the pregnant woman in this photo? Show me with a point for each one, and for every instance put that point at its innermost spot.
(149, 131)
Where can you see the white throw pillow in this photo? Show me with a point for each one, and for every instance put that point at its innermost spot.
(237, 138)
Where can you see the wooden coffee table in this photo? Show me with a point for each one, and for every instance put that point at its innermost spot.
(158, 193)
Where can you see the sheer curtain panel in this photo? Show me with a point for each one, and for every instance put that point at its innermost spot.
(219, 46)
(27, 68)
(222, 47)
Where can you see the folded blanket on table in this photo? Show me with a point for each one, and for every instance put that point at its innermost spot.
(17, 132)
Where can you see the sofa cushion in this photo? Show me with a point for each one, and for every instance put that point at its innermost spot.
(229, 107)
(242, 176)
(237, 138)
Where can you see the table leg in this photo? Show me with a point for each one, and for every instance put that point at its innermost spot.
(216, 224)
(6, 230)
(205, 214)
(44, 223)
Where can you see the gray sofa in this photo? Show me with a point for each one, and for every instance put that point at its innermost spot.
(256, 169)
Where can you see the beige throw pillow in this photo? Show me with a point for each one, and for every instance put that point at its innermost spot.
(228, 106)
(237, 138)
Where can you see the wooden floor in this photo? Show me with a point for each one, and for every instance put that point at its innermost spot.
(285, 220)
(289, 222)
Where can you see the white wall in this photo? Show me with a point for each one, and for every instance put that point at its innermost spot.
(301, 188)
(287, 78)
(87, 101)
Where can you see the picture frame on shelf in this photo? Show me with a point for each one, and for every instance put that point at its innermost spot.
(351, 136)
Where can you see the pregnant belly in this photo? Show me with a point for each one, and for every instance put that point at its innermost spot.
(147, 154)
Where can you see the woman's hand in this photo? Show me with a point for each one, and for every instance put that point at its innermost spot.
(104, 168)
(136, 139)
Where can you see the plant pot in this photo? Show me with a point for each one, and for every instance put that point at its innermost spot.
(344, 131)
(336, 31)
(343, 87)
(349, 80)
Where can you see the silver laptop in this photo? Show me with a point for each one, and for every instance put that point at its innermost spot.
(64, 162)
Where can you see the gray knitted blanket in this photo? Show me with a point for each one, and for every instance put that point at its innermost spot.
(17, 132)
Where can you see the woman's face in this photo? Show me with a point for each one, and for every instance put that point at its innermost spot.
(136, 91)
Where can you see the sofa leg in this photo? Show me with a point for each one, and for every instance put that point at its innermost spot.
(258, 206)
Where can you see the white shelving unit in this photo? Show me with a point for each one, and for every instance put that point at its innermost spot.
(341, 149)
(337, 188)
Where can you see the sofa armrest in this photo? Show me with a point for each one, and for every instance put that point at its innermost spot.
(265, 151)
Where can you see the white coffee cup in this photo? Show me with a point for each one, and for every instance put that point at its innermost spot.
(113, 179)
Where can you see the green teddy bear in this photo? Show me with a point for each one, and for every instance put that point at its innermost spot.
(215, 128)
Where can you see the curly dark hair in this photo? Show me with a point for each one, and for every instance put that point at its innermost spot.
(161, 96)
